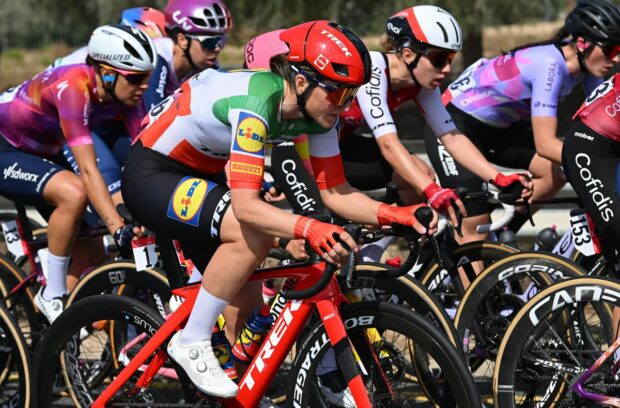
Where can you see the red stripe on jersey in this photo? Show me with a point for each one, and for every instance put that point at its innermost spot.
(415, 26)
(181, 106)
(246, 172)
(328, 171)
(188, 155)
(446, 97)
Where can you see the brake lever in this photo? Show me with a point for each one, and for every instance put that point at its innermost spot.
(354, 231)
(459, 220)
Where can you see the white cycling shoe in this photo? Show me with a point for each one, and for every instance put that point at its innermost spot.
(51, 309)
(202, 367)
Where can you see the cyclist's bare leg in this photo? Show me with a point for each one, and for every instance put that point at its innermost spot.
(241, 251)
(469, 235)
(66, 193)
(86, 253)
(407, 192)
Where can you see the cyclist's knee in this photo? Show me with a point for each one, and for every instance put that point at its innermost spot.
(67, 191)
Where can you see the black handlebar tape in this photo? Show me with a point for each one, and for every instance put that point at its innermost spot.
(511, 193)
(123, 211)
(424, 215)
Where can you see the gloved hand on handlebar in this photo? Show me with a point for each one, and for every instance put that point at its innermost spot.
(387, 214)
(506, 184)
(445, 200)
(328, 240)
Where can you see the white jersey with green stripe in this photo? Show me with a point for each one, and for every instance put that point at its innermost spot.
(221, 115)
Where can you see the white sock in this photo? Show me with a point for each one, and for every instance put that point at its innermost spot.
(57, 267)
(202, 319)
(372, 252)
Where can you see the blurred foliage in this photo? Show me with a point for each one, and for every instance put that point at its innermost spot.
(34, 23)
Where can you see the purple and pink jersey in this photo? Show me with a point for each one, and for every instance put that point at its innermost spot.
(58, 106)
(513, 87)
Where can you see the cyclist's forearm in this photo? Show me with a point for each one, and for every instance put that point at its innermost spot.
(467, 154)
(97, 191)
(400, 159)
(351, 204)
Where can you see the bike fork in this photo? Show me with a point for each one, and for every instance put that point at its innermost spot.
(344, 351)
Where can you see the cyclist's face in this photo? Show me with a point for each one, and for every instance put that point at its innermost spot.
(319, 105)
(203, 57)
(130, 87)
(428, 75)
(601, 60)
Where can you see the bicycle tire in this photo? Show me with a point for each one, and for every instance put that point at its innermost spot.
(63, 336)
(405, 290)
(22, 304)
(384, 317)
(556, 300)
(487, 305)
(17, 361)
(109, 276)
(434, 276)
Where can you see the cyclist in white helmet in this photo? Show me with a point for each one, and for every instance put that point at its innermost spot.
(63, 105)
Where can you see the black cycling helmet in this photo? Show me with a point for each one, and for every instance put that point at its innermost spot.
(595, 20)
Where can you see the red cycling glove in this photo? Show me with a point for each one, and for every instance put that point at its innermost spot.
(387, 214)
(502, 180)
(439, 198)
(320, 235)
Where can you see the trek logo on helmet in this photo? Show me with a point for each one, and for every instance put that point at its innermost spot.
(182, 21)
(321, 62)
(337, 42)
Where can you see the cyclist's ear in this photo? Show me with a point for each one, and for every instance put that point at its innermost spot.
(301, 83)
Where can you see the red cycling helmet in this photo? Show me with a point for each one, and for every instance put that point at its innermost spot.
(327, 51)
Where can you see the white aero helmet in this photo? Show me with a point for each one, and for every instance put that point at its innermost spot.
(420, 26)
(123, 47)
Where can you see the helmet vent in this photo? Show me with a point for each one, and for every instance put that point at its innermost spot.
(443, 30)
(340, 69)
(130, 49)
(199, 21)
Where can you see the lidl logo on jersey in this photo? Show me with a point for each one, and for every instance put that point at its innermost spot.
(186, 201)
(251, 134)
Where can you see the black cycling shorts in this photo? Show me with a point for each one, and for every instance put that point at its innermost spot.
(175, 201)
(25, 175)
(511, 147)
(590, 163)
(365, 168)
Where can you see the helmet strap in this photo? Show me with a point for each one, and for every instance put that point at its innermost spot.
(187, 54)
(412, 65)
(302, 98)
(109, 83)
(581, 58)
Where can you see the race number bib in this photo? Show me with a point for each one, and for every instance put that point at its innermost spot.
(584, 239)
(12, 238)
(144, 253)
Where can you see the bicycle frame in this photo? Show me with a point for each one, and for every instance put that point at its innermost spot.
(583, 393)
(280, 339)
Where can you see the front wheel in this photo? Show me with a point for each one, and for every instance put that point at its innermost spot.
(393, 335)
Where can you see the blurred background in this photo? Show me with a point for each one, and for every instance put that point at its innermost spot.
(35, 32)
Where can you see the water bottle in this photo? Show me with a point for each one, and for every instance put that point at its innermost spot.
(252, 335)
(221, 349)
(508, 237)
(546, 239)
